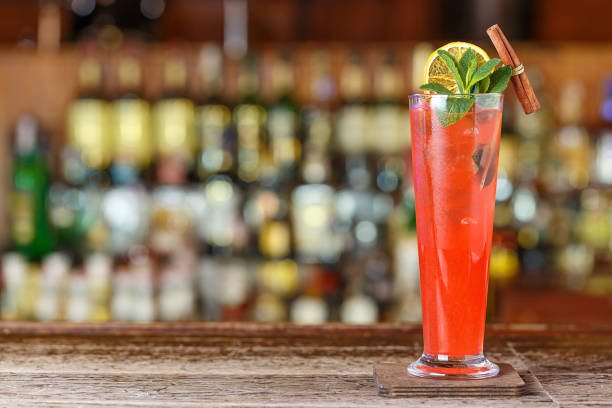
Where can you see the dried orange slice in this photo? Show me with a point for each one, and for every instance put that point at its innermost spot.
(437, 71)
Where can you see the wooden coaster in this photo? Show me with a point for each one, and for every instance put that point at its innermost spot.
(392, 380)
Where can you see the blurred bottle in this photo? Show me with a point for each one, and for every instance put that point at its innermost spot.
(76, 212)
(30, 231)
(133, 288)
(142, 289)
(28, 299)
(221, 226)
(316, 167)
(224, 288)
(359, 309)
(132, 141)
(176, 299)
(277, 275)
(592, 224)
(171, 218)
(98, 270)
(390, 132)
(126, 210)
(78, 307)
(234, 289)
(353, 118)
(173, 121)
(284, 146)
(121, 300)
(568, 163)
(216, 147)
(89, 149)
(406, 288)
(603, 151)
(533, 132)
(249, 118)
(309, 310)
(50, 302)
(14, 273)
(125, 205)
(312, 219)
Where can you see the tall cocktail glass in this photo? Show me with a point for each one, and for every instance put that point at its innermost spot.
(455, 174)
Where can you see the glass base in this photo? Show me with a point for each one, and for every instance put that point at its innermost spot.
(474, 367)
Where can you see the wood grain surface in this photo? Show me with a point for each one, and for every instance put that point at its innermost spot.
(250, 365)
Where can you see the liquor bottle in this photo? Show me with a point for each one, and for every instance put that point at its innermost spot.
(249, 118)
(567, 167)
(388, 127)
(125, 205)
(78, 307)
(221, 226)
(359, 309)
(133, 288)
(14, 271)
(308, 309)
(173, 120)
(176, 298)
(27, 301)
(171, 218)
(603, 152)
(213, 117)
(125, 210)
(353, 118)
(592, 223)
(132, 142)
(142, 289)
(121, 299)
(312, 219)
(225, 288)
(533, 132)
(98, 270)
(575, 263)
(406, 289)
(75, 200)
(89, 151)
(277, 276)
(390, 135)
(284, 146)
(269, 308)
(55, 268)
(317, 122)
(30, 231)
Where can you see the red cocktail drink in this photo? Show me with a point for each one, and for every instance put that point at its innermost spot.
(454, 160)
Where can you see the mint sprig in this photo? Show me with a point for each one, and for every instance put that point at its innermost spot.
(470, 79)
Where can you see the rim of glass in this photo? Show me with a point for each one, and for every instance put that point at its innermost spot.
(456, 95)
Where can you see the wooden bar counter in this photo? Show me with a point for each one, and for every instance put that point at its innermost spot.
(254, 365)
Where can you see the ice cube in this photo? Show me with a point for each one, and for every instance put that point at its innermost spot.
(486, 115)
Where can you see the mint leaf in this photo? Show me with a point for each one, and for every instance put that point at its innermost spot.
(473, 65)
(499, 79)
(452, 64)
(464, 63)
(435, 87)
(484, 70)
(456, 108)
(483, 85)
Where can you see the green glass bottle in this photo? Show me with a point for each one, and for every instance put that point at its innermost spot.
(30, 232)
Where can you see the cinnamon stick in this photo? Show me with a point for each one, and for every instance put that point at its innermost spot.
(519, 79)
